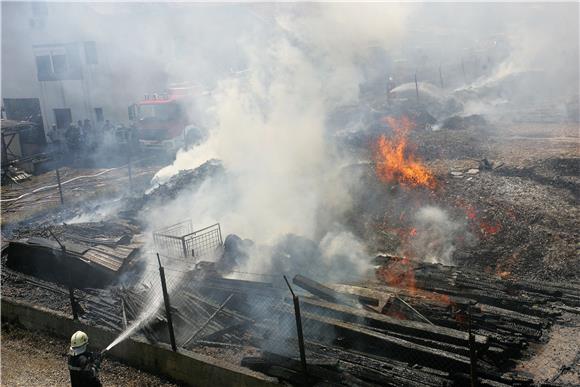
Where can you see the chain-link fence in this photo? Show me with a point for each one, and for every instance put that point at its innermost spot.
(298, 329)
(301, 329)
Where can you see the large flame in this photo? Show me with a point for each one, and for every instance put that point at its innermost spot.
(395, 162)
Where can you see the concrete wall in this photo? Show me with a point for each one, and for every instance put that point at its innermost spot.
(183, 366)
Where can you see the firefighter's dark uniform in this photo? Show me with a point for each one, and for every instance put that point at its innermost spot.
(84, 369)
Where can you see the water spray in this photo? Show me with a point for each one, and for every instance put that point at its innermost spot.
(129, 331)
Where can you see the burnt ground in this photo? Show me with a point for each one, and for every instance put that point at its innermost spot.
(532, 198)
(46, 363)
(522, 214)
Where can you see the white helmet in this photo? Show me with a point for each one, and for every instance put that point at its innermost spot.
(78, 343)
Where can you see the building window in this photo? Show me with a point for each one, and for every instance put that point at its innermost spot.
(59, 64)
(44, 67)
(63, 118)
(91, 53)
(99, 114)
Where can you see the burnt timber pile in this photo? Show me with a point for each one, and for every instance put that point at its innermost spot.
(377, 332)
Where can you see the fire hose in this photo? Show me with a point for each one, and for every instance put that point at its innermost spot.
(47, 187)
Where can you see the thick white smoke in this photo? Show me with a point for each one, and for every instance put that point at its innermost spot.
(270, 129)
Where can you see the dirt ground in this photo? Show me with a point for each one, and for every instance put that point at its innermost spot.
(558, 360)
(34, 359)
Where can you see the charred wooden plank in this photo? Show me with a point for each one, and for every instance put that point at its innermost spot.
(383, 370)
(328, 294)
(290, 370)
(235, 328)
(413, 328)
(384, 345)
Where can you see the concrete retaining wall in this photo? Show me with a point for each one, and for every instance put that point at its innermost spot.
(183, 366)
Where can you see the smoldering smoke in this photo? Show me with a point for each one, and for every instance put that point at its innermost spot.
(436, 235)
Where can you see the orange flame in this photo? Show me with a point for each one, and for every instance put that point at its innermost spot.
(401, 274)
(395, 162)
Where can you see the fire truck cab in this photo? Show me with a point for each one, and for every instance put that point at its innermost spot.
(162, 122)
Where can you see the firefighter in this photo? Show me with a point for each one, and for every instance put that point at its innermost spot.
(82, 364)
(73, 140)
(54, 137)
(88, 133)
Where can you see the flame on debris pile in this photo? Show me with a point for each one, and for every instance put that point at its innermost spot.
(395, 161)
(400, 274)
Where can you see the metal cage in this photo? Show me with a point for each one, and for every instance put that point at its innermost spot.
(180, 241)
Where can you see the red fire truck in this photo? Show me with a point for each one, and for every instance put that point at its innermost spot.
(163, 121)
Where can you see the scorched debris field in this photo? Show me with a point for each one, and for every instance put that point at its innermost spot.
(300, 194)
(514, 286)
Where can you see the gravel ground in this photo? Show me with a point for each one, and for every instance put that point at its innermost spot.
(34, 359)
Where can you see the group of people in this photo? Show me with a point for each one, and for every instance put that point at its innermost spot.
(80, 136)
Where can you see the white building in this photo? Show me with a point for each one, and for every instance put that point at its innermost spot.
(58, 63)
(71, 61)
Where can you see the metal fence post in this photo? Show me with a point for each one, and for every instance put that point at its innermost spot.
(299, 329)
(167, 305)
(59, 186)
(71, 291)
(472, 352)
(129, 170)
(184, 247)
(416, 87)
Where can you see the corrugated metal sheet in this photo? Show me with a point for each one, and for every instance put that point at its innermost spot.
(109, 257)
